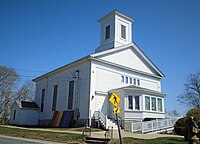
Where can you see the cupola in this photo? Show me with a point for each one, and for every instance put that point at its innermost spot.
(116, 30)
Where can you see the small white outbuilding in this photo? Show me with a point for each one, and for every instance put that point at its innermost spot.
(24, 113)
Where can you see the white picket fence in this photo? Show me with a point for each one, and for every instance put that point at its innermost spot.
(153, 125)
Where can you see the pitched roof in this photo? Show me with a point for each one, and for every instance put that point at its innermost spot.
(26, 104)
(102, 53)
(69, 65)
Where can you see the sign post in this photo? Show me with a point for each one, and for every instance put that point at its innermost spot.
(115, 100)
(120, 139)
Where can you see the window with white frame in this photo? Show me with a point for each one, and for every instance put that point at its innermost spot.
(55, 93)
(138, 82)
(122, 79)
(107, 32)
(126, 79)
(153, 104)
(42, 100)
(123, 31)
(147, 103)
(71, 95)
(134, 81)
(130, 102)
(131, 81)
(159, 101)
(133, 102)
(137, 103)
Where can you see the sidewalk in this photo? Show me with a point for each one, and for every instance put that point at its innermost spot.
(134, 135)
(101, 134)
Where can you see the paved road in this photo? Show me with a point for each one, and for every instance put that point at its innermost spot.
(14, 140)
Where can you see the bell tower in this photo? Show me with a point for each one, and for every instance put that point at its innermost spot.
(116, 30)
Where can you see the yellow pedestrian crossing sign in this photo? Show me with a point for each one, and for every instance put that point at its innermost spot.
(116, 110)
(114, 99)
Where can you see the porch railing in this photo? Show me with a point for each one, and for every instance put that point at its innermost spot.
(102, 118)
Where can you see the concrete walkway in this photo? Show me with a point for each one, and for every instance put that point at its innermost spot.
(101, 134)
(134, 135)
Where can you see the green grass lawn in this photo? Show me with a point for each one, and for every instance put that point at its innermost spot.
(77, 138)
(164, 140)
(80, 129)
(41, 135)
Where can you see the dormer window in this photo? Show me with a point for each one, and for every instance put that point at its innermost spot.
(123, 31)
(108, 32)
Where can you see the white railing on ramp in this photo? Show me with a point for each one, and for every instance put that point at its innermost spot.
(153, 125)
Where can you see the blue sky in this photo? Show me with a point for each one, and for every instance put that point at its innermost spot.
(37, 36)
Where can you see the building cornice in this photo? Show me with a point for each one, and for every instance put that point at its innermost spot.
(137, 89)
(116, 12)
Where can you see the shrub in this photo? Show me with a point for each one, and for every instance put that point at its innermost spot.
(180, 127)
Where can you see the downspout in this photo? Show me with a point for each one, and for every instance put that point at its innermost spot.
(45, 101)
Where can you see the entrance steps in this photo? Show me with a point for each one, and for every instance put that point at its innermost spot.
(104, 121)
(93, 140)
(109, 123)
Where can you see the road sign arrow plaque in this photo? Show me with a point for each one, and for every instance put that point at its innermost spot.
(116, 110)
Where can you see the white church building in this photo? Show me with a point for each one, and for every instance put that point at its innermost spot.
(118, 65)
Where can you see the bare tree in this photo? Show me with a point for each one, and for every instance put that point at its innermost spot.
(8, 79)
(26, 92)
(173, 113)
(191, 95)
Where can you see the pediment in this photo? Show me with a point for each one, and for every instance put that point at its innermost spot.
(131, 57)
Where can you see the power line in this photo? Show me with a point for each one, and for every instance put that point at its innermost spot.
(29, 70)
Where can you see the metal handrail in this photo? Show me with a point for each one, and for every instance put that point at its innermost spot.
(102, 117)
(109, 132)
(86, 132)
